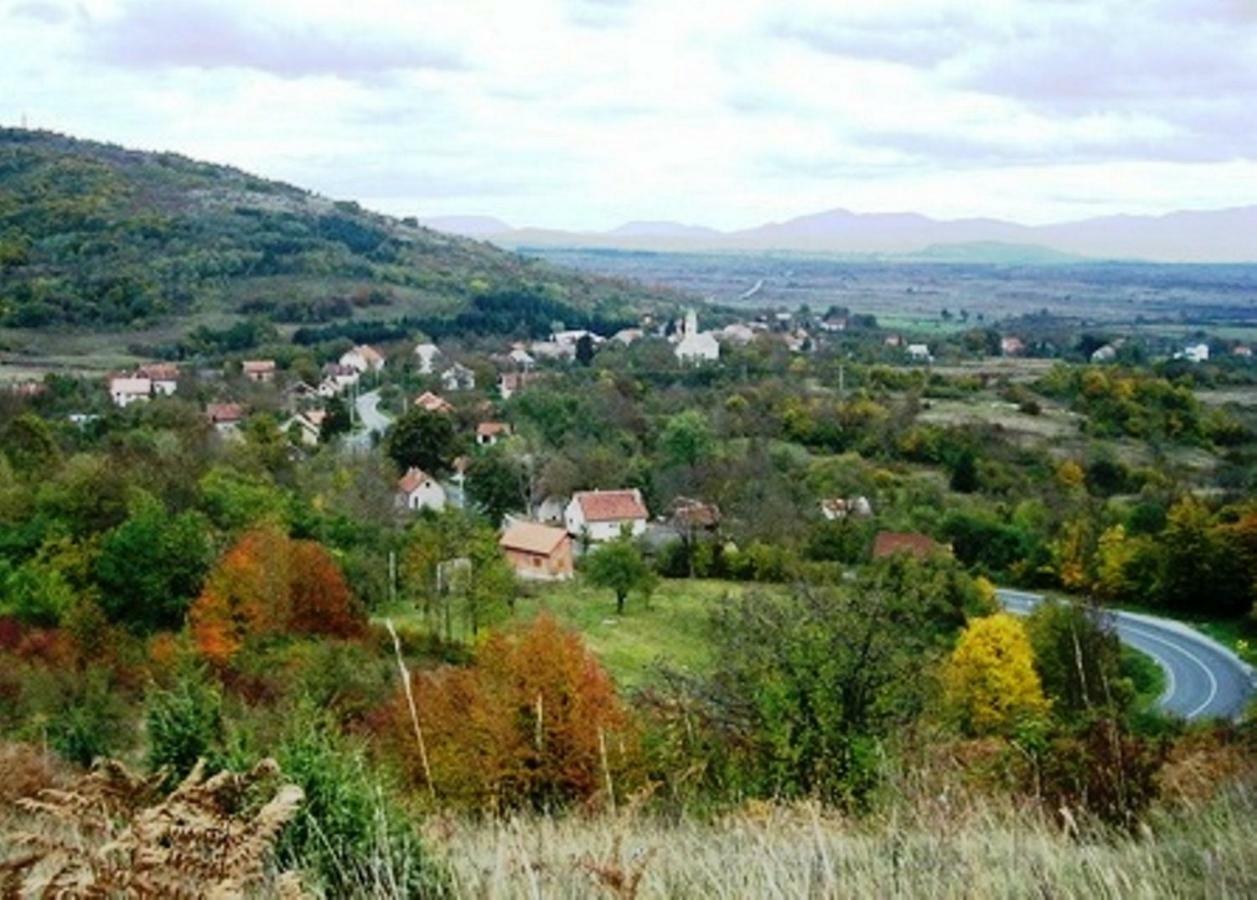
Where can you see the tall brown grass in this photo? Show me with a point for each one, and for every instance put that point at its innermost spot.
(803, 851)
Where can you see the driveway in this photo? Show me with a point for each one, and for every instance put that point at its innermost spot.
(1203, 679)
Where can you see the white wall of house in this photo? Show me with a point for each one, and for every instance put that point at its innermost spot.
(429, 495)
(577, 526)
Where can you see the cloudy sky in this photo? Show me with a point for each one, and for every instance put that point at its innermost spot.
(587, 113)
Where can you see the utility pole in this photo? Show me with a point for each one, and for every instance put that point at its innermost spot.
(392, 577)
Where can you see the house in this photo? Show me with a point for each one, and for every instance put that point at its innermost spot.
(1196, 353)
(259, 370)
(164, 376)
(308, 426)
(799, 341)
(550, 509)
(433, 403)
(521, 358)
(1011, 346)
(458, 378)
(1243, 351)
(889, 543)
(695, 346)
(339, 378)
(125, 390)
(737, 333)
(363, 358)
(511, 383)
(1104, 354)
(427, 356)
(834, 508)
(571, 337)
(489, 433)
(893, 340)
(537, 552)
(919, 352)
(225, 417)
(300, 392)
(418, 490)
(833, 322)
(628, 336)
(694, 515)
(553, 350)
(601, 515)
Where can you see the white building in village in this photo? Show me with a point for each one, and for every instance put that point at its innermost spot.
(604, 515)
(695, 346)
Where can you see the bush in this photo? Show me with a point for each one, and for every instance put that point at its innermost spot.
(348, 833)
(535, 722)
(183, 722)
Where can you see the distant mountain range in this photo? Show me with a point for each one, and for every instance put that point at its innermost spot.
(1224, 235)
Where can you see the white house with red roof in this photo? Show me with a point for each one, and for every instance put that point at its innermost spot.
(603, 515)
(164, 376)
(418, 490)
(125, 390)
(489, 433)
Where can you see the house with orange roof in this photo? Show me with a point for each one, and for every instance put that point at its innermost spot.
(537, 552)
(418, 490)
(433, 403)
(605, 515)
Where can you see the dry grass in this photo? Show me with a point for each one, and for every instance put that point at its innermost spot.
(113, 834)
(771, 851)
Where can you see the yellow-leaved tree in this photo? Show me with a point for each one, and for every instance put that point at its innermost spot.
(989, 680)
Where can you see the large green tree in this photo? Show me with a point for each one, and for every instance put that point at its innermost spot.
(424, 439)
(618, 566)
(152, 565)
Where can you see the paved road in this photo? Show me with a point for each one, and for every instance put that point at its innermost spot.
(1202, 678)
(372, 420)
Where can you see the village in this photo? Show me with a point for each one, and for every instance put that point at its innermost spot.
(544, 540)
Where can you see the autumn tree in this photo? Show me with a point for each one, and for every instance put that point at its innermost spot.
(989, 681)
(534, 722)
(267, 585)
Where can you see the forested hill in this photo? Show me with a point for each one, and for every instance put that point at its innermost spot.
(101, 237)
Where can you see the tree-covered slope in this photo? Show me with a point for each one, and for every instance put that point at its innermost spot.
(97, 236)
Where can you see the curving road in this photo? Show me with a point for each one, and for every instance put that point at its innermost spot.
(370, 417)
(1203, 679)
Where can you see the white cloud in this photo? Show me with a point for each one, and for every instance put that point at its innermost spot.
(584, 113)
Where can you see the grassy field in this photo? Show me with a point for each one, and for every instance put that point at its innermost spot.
(672, 627)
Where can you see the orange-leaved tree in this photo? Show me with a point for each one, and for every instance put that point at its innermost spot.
(267, 584)
(535, 721)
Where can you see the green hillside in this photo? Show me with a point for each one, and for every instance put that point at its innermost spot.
(96, 237)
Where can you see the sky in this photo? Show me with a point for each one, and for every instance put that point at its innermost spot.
(584, 114)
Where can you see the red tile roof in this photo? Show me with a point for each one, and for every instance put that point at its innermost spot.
(412, 480)
(258, 365)
(224, 412)
(158, 371)
(611, 506)
(490, 429)
(890, 542)
(433, 402)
